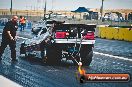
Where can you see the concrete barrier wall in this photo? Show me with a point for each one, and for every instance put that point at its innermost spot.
(115, 33)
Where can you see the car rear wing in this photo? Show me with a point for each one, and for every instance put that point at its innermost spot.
(79, 27)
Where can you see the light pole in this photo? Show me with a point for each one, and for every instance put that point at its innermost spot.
(102, 9)
(45, 10)
(11, 8)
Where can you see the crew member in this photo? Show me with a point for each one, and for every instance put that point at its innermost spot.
(9, 37)
(22, 22)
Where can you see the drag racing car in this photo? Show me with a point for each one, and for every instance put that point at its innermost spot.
(63, 42)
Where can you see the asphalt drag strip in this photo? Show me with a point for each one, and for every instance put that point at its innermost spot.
(30, 73)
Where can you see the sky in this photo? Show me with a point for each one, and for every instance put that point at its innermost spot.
(65, 4)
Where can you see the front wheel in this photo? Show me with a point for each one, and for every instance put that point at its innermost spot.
(23, 51)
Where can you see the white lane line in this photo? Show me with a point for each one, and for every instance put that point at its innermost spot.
(116, 57)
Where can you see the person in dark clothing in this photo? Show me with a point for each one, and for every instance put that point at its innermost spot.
(9, 37)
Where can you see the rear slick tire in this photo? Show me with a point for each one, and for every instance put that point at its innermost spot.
(88, 59)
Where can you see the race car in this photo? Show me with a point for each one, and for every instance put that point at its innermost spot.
(63, 42)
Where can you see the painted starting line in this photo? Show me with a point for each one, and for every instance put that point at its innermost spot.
(108, 55)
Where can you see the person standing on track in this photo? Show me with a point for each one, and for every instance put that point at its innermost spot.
(9, 37)
(22, 22)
